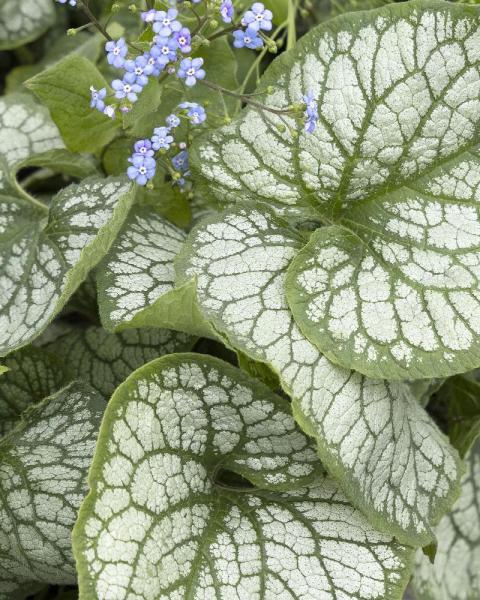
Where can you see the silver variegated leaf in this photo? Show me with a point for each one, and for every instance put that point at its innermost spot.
(374, 436)
(167, 518)
(45, 253)
(455, 573)
(22, 21)
(136, 281)
(32, 375)
(104, 360)
(390, 285)
(43, 467)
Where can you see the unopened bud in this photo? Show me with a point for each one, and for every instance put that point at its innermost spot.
(281, 127)
(115, 7)
(270, 90)
(132, 8)
(71, 32)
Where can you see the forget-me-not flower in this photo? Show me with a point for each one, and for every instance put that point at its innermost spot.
(116, 53)
(247, 39)
(161, 139)
(97, 98)
(191, 70)
(142, 169)
(195, 112)
(166, 22)
(311, 112)
(258, 17)
(227, 11)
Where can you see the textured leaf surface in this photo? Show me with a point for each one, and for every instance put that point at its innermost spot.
(373, 435)
(136, 280)
(26, 132)
(46, 256)
(22, 21)
(105, 360)
(455, 574)
(161, 523)
(33, 374)
(391, 287)
(43, 467)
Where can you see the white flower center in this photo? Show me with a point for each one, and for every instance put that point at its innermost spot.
(191, 71)
(142, 171)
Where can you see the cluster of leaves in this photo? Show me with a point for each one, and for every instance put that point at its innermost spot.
(269, 386)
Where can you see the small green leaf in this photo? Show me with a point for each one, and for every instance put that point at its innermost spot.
(65, 89)
(455, 574)
(390, 286)
(459, 398)
(32, 375)
(43, 467)
(104, 360)
(47, 255)
(83, 43)
(22, 21)
(187, 499)
(373, 436)
(136, 280)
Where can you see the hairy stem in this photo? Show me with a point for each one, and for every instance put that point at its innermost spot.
(94, 20)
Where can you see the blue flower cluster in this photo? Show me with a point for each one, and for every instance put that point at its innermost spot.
(255, 20)
(171, 38)
(143, 163)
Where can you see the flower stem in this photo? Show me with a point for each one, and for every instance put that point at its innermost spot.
(94, 20)
(246, 98)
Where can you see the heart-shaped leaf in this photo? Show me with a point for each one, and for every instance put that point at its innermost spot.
(136, 280)
(43, 466)
(455, 573)
(22, 21)
(390, 285)
(46, 253)
(374, 436)
(171, 515)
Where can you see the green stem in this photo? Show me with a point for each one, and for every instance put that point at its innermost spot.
(291, 28)
(245, 98)
(260, 56)
(94, 20)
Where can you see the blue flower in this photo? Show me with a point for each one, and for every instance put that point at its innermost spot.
(227, 11)
(144, 148)
(258, 17)
(97, 98)
(172, 121)
(142, 169)
(247, 39)
(109, 111)
(152, 59)
(126, 89)
(140, 68)
(166, 22)
(195, 112)
(311, 112)
(116, 52)
(181, 162)
(191, 70)
(184, 39)
(71, 2)
(168, 49)
(161, 139)
(149, 16)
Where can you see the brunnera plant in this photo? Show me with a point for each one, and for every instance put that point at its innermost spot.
(239, 300)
